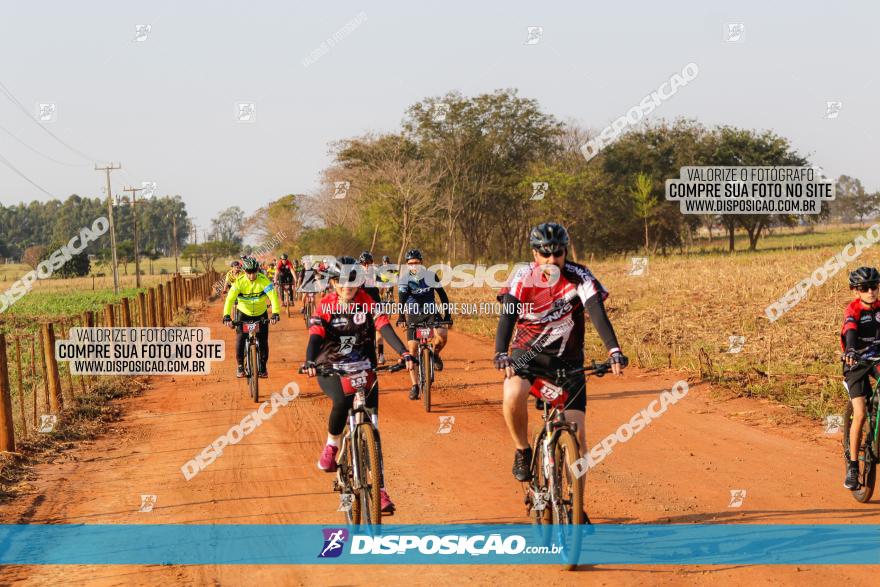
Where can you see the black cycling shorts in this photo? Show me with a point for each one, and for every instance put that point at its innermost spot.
(575, 385)
(858, 382)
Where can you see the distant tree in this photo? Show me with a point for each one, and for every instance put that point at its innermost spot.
(645, 202)
(228, 226)
(33, 255)
(210, 251)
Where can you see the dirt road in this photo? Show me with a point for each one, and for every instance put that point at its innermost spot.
(680, 469)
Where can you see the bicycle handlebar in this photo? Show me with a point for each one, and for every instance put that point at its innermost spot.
(240, 322)
(328, 370)
(594, 368)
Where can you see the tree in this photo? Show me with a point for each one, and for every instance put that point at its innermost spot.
(852, 202)
(645, 203)
(228, 226)
(210, 251)
(279, 222)
(78, 265)
(387, 172)
(33, 255)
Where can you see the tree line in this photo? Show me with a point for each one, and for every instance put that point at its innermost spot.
(465, 178)
(30, 231)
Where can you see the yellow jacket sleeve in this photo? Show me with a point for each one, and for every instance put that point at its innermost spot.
(230, 299)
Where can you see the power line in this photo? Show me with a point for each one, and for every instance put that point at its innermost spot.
(40, 153)
(6, 162)
(11, 97)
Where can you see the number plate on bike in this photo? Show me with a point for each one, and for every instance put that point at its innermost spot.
(362, 379)
(424, 332)
(550, 393)
(252, 327)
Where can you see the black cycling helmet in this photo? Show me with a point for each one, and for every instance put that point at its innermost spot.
(284, 256)
(386, 259)
(366, 257)
(250, 265)
(413, 254)
(548, 238)
(864, 276)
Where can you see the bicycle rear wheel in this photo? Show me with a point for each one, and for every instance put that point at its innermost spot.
(569, 508)
(369, 475)
(425, 378)
(345, 481)
(254, 371)
(867, 454)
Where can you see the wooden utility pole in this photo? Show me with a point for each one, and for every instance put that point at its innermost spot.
(174, 239)
(107, 169)
(137, 256)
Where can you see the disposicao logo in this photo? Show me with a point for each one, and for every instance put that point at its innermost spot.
(334, 540)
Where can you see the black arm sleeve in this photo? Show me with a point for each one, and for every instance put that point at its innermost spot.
(852, 337)
(401, 301)
(314, 347)
(506, 323)
(596, 308)
(391, 338)
(444, 300)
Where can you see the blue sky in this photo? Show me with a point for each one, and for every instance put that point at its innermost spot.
(166, 107)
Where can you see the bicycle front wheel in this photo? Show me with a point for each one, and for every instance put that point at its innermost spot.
(866, 453)
(369, 475)
(425, 376)
(254, 371)
(568, 507)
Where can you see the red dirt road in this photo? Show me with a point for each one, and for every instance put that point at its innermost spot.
(680, 469)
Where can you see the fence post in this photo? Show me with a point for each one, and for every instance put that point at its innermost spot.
(65, 333)
(89, 322)
(52, 369)
(169, 307)
(82, 378)
(43, 370)
(142, 310)
(109, 318)
(34, 377)
(151, 307)
(126, 313)
(7, 427)
(20, 387)
(160, 306)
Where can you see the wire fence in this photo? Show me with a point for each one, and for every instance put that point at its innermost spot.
(34, 387)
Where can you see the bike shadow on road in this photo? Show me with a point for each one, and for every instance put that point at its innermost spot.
(765, 516)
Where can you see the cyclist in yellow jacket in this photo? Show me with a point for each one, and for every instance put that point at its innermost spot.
(248, 295)
(231, 275)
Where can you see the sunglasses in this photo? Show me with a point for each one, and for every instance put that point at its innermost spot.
(546, 255)
(867, 287)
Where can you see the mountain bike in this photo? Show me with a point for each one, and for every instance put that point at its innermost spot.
(252, 354)
(286, 295)
(424, 333)
(308, 307)
(554, 499)
(359, 460)
(869, 452)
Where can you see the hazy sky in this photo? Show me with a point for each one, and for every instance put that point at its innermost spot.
(165, 107)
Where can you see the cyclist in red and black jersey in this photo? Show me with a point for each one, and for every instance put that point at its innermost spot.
(545, 302)
(342, 333)
(284, 275)
(860, 337)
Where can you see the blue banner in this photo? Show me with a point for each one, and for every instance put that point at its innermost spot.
(232, 544)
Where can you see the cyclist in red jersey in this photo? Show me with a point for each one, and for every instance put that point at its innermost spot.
(284, 274)
(546, 303)
(342, 333)
(860, 338)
